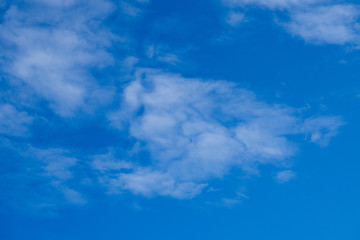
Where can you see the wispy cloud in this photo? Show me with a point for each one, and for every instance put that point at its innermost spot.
(39, 178)
(272, 4)
(51, 47)
(180, 133)
(162, 54)
(321, 129)
(108, 162)
(319, 22)
(334, 24)
(133, 8)
(14, 122)
(56, 163)
(285, 176)
(234, 18)
(197, 130)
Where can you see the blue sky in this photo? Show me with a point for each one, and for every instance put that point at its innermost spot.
(153, 119)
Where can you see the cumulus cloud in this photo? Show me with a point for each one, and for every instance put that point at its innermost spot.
(197, 130)
(335, 24)
(316, 22)
(51, 46)
(182, 132)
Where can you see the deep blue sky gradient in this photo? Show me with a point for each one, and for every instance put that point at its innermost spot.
(321, 202)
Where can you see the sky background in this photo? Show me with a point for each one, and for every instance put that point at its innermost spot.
(154, 119)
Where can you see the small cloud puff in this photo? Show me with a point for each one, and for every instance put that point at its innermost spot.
(285, 176)
(234, 18)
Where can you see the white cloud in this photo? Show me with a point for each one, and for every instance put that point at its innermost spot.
(57, 3)
(273, 4)
(133, 8)
(108, 162)
(162, 54)
(321, 129)
(56, 163)
(73, 196)
(149, 183)
(234, 18)
(14, 122)
(197, 130)
(51, 49)
(335, 24)
(40, 178)
(285, 176)
(193, 130)
(316, 22)
(130, 9)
